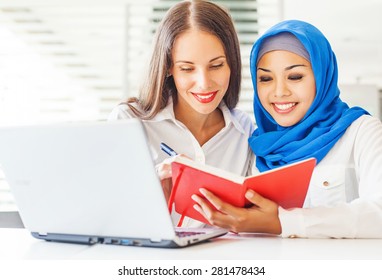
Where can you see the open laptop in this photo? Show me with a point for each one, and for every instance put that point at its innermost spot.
(90, 182)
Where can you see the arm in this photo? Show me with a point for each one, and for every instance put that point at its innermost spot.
(358, 216)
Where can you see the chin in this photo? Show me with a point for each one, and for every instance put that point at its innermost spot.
(285, 123)
(206, 108)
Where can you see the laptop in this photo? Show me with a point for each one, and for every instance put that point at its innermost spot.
(90, 182)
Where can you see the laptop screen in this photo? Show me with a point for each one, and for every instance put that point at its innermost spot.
(89, 178)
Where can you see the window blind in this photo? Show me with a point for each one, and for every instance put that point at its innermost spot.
(76, 60)
(72, 61)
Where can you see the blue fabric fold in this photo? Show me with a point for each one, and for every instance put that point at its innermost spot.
(326, 120)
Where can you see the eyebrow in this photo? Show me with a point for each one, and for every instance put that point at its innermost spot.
(286, 68)
(190, 62)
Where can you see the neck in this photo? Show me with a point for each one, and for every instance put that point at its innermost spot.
(202, 126)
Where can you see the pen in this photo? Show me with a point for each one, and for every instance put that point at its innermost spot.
(167, 149)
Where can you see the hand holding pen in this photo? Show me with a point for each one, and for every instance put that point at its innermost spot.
(164, 168)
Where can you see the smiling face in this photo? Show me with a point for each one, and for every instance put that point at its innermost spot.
(200, 71)
(286, 86)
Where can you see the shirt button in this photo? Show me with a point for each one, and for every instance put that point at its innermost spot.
(325, 183)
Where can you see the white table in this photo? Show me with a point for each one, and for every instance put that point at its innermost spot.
(18, 244)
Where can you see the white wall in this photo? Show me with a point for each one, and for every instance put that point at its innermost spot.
(354, 30)
(365, 96)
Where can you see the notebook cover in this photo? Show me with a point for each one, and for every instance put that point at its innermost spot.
(286, 186)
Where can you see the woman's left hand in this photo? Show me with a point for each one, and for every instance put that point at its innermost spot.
(262, 217)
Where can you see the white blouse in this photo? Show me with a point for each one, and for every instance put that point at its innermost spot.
(344, 199)
(228, 149)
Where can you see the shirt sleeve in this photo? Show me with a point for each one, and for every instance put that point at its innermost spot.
(359, 218)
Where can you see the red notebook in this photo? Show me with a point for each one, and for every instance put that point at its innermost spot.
(286, 185)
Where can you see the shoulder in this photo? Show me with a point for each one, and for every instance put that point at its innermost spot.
(365, 124)
(122, 111)
(366, 132)
(243, 119)
(362, 130)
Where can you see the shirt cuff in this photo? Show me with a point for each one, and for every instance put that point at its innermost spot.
(292, 222)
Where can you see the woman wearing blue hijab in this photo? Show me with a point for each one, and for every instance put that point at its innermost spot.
(327, 118)
(300, 115)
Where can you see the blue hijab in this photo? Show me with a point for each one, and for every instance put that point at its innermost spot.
(326, 120)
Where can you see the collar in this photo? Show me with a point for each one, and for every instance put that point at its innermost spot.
(229, 115)
(166, 114)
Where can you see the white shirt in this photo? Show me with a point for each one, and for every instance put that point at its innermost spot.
(228, 149)
(344, 199)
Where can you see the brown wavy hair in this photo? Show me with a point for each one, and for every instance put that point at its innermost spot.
(157, 86)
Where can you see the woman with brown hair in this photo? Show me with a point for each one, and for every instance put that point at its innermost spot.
(188, 97)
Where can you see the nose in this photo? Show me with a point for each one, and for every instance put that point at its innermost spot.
(281, 89)
(203, 79)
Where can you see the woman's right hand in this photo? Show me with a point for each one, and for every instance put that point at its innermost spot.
(164, 172)
(164, 168)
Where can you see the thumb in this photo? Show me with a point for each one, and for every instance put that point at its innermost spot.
(255, 198)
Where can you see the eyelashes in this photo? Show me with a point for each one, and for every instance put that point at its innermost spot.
(217, 66)
(212, 67)
(294, 77)
(264, 79)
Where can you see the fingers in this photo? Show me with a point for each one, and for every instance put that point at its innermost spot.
(164, 170)
(214, 217)
(261, 217)
(182, 155)
(225, 215)
(268, 217)
(258, 200)
(221, 205)
(202, 207)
